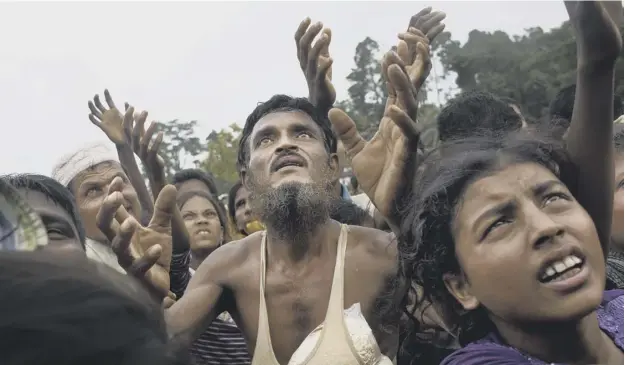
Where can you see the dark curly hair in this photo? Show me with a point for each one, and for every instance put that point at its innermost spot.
(474, 113)
(205, 177)
(281, 103)
(426, 245)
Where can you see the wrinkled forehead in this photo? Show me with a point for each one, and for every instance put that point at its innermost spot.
(102, 172)
(505, 183)
(284, 120)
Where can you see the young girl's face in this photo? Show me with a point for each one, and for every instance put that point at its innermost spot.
(202, 222)
(528, 251)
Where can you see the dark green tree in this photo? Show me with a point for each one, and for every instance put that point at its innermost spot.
(179, 145)
(221, 160)
(529, 68)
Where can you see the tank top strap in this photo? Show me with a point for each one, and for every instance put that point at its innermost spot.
(263, 351)
(334, 314)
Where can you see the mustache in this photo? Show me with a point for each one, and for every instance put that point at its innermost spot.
(288, 156)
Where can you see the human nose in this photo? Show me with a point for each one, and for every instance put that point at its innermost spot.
(285, 144)
(544, 229)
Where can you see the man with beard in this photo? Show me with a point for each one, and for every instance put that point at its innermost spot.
(309, 289)
(283, 286)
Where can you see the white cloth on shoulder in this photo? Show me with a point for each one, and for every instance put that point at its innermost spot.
(100, 252)
(79, 160)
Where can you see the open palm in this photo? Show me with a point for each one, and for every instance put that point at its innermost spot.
(385, 165)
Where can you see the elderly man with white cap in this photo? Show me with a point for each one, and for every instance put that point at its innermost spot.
(87, 173)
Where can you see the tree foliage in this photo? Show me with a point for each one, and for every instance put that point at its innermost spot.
(180, 144)
(529, 68)
(221, 160)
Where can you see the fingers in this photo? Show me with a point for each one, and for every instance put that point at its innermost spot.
(421, 66)
(407, 125)
(406, 91)
(315, 52)
(105, 217)
(325, 51)
(417, 19)
(325, 69)
(98, 103)
(389, 58)
(121, 214)
(164, 207)
(299, 33)
(435, 31)
(433, 20)
(128, 120)
(153, 148)
(109, 99)
(121, 243)
(139, 131)
(94, 110)
(145, 141)
(411, 39)
(305, 42)
(346, 131)
(168, 302)
(95, 121)
(404, 52)
(140, 267)
(413, 36)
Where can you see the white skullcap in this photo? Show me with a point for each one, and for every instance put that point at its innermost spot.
(78, 161)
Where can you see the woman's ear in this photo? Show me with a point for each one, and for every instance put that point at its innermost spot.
(460, 288)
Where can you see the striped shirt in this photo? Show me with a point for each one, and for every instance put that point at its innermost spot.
(614, 270)
(222, 342)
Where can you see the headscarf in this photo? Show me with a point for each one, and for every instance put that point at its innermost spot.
(72, 164)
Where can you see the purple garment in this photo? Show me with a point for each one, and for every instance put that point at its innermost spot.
(491, 351)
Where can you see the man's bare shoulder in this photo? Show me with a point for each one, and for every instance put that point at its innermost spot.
(375, 246)
(227, 259)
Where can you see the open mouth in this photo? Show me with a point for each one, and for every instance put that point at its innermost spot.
(562, 269)
(288, 161)
(202, 232)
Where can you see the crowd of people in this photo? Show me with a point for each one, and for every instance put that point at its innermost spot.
(504, 245)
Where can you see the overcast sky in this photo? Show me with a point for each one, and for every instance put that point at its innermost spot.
(210, 62)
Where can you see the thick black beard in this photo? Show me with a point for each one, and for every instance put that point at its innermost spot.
(293, 211)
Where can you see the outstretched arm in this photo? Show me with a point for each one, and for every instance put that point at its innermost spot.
(118, 131)
(589, 139)
(204, 298)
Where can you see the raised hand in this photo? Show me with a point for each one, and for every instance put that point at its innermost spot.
(109, 120)
(598, 38)
(316, 63)
(144, 252)
(147, 150)
(422, 30)
(386, 163)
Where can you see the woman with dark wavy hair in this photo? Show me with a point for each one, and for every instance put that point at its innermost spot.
(497, 240)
